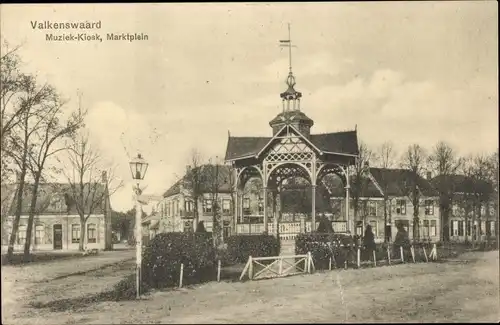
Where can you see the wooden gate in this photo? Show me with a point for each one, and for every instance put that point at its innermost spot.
(279, 267)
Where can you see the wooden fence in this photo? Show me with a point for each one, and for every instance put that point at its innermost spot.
(279, 267)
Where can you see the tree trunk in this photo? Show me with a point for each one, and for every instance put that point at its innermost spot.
(15, 223)
(19, 203)
(196, 216)
(31, 217)
(81, 243)
(385, 218)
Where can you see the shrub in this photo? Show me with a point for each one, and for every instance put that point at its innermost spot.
(167, 251)
(323, 246)
(125, 289)
(240, 247)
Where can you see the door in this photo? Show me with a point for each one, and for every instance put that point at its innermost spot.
(58, 236)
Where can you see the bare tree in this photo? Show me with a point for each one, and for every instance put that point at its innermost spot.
(33, 100)
(213, 183)
(44, 144)
(360, 181)
(194, 181)
(481, 188)
(11, 80)
(493, 178)
(413, 161)
(90, 183)
(386, 158)
(444, 164)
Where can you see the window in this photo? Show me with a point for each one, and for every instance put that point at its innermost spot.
(483, 210)
(429, 207)
(469, 228)
(261, 206)
(401, 206)
(207, 206)
(425, 229)
(39, 234)
(188, 206)
(21, 235)
(373, 224)
(492, 228)
(372, 208)
(226, 230)
(246, 205)
(454, 228)
(75, 233)
(188, 226)
(91, 233)
(226, 206)
(433, 229)
(460, 228)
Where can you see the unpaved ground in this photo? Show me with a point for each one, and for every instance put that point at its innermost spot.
(464, 290)
(43, 282)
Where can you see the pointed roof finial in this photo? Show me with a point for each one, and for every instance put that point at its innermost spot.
(290, 93)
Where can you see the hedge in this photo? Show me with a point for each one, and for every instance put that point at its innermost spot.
(162, 259)
(322, 246)
(240, 247)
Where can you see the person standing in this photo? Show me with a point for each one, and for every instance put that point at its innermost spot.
(368, 242)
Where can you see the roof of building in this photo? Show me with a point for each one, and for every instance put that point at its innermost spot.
(337, 188)
(57, 198)
(296, 115)
(337, 142)
(462, 184)
(207, 175)
(394, 180)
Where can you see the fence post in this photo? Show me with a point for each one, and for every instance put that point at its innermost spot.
(435, 252)
(388, 255)
(181, 275)
(374, 258)
(359, 258)
(280, 271)
(308, 262)
(330, 264)
(425, 254)
(250, 268)
(412, 251)
(402, 255)
(218, 271)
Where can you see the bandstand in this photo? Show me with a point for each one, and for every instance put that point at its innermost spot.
(291, 151)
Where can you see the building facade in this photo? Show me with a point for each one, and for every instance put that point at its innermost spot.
(473, 214)
(57, 222)
(176, 211)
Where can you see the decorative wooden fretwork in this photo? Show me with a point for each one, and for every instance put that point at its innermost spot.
(323, 169)
(290, 149)
(244, 174)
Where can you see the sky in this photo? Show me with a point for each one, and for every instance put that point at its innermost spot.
(406, 72)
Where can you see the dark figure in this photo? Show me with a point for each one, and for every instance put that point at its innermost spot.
(402, 240)
(325, 226)
(200, 227)
(368, 242)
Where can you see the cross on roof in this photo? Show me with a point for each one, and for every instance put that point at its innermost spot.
(288, 43)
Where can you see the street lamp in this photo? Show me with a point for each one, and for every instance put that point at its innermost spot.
(138, 168)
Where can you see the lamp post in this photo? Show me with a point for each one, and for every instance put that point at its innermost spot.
(138, 168)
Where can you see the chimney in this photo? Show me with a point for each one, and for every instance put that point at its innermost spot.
(104, 177)
(429, 176)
